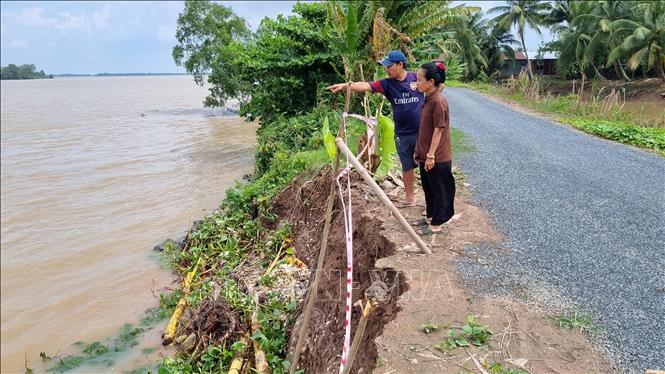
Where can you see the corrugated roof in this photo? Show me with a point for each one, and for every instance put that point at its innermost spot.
(534, 55)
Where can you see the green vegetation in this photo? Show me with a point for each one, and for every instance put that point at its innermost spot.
(429, 327)
(595, 117)
(499, 368)
(279, 70)
(27, 71)
(633, 31)
(576, 321)
(473, 333)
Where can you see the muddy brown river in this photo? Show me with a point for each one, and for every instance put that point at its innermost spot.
(95, 172)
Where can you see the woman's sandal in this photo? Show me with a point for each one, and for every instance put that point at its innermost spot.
(427, 230)
(420, 222)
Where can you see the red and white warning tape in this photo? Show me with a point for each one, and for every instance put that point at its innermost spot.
(370, 121)
(348, 229)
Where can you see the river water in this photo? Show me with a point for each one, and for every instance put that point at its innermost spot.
(95, 172)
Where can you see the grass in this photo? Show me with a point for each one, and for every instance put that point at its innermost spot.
(591, 117)
(576, 320)
(459, 142)
(499, 368)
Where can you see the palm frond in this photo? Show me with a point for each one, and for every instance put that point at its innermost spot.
(637, 58)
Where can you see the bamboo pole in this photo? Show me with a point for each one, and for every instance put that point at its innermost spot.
(381, 195)
(172, 326)
(357, 338)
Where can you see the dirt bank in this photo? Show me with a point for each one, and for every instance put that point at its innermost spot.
(302, 204)
(423, 289)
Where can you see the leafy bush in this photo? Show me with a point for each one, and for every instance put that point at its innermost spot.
(626, 133)
(292, 135)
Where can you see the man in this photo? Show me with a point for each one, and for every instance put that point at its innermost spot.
(407, 102)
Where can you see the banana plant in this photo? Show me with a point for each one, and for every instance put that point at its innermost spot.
(385, 134)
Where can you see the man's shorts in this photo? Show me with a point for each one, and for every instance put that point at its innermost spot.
(406, 146)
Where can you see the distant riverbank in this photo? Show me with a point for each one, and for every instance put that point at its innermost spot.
(117, 74)
(26, 71)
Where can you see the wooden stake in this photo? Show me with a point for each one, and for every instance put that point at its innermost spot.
(357, 338)
(381, 195)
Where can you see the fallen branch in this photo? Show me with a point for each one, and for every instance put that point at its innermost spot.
(475, 362)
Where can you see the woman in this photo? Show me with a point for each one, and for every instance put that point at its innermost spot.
(433, 151)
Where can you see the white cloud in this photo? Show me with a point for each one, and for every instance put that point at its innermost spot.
(35, 17)
(18, 44)
(73, 22)
(66, 21)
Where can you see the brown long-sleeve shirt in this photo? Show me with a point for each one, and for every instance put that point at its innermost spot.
(434, 114)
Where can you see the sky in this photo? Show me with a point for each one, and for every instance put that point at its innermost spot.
(117, 37)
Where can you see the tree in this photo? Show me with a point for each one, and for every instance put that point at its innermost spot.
(273, 72)
(597, 21)
(497, 45)
(284, 66)
(560, 16)
(468, 34)
(521, 13)
(204, 33)
(26, 71)
(646, 40)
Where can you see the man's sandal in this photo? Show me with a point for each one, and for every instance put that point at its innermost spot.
(404, 204)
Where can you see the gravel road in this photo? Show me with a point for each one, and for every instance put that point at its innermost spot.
(583, 219)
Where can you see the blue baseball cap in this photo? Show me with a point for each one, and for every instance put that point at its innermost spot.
(393, 57)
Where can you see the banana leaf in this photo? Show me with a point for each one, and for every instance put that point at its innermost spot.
(386, 142)
(329, 139)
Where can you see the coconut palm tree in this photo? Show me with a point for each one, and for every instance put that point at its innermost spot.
(522, 13)
(497, 45)
(599, 19)
(466, 34)
(560, 15)
(646, 43)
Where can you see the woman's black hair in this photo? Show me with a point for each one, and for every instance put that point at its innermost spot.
(435, 70)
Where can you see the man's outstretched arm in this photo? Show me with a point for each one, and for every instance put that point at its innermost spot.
(355, 87)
